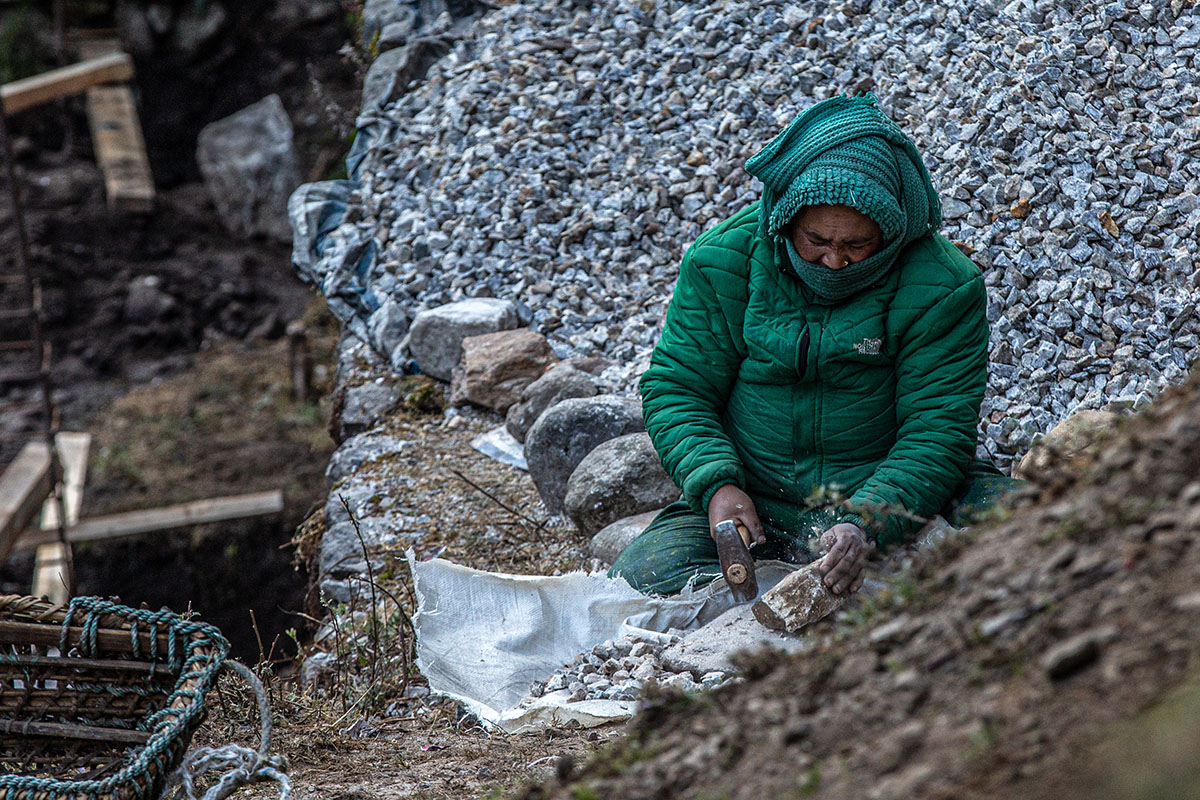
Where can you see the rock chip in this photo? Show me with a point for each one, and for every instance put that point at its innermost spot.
(567, 432)
(615, 537)
(560, 382)
(435, 337)
(496, 367)
(619, 478)
(250, 167)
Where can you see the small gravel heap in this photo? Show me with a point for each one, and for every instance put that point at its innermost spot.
(564, 155)
(620, 670)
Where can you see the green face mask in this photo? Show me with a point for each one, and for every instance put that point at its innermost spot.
(833, 285)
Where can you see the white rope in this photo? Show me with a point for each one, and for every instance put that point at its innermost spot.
(241, 765)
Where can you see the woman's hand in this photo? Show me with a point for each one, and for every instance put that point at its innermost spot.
(848, 549)
(730, 502)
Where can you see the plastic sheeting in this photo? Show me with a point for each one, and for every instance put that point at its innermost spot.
(483, 638)
(336, 255)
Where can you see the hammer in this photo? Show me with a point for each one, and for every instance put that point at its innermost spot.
(737, 565)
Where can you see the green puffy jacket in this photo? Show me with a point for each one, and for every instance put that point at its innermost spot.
(758, 383)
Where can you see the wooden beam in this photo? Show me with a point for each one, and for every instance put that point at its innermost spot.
(108, 639)
(23, 487)
(49, 564)
(64, 82)
(131, 523)
(117, 138)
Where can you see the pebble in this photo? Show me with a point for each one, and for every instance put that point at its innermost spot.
(572, 180)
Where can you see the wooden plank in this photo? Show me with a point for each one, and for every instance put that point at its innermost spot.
(23, 487)
(60, 730)
(50, 561)
(117, 136)
(64, 82)
(131, 523)
(120, 149)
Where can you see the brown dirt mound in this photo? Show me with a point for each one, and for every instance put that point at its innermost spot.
(991, 670)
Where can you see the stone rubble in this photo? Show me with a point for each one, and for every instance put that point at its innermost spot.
(621, 670)
(563, 157)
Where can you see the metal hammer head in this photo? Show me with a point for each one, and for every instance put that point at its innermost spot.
(737, 565)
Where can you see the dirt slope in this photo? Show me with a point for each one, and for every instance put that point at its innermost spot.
(990, 671)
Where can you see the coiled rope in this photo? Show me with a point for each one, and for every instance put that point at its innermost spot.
(241, 765)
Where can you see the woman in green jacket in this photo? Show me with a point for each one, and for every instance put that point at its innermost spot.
(823, 343)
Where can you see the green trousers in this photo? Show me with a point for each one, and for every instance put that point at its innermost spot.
(677, 548)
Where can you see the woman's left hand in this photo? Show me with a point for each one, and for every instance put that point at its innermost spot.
(848, 549)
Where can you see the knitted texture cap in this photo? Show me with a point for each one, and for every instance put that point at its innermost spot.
(845, 151)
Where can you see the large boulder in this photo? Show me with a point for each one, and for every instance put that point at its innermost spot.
(435, 338)
(616, 536)
(570, 430)
(496, 367)
(250, 167)
(619, 478)
(561, 382)
(1075, 436)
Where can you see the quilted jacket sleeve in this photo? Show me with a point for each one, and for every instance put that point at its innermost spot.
(941, 372)
(687, 384)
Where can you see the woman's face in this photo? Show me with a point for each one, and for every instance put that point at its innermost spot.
(835, 236)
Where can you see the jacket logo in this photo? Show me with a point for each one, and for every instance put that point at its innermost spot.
(869, 347)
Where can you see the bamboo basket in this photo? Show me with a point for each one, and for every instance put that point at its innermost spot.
(98, 700)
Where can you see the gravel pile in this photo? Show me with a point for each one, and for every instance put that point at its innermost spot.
(566, 153)
(620, 670)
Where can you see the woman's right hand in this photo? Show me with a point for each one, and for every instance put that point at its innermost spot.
(730, 502)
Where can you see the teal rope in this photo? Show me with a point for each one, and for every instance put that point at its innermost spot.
(169, 725)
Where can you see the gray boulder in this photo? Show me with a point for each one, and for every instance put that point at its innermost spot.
(367, 405)
(619, 478)
(398, 31)
(560, 382)
(378, 14)
(386, 328)
(250, 167)
(567, 432)
(389, 73)
(435, 338)
(615, 537)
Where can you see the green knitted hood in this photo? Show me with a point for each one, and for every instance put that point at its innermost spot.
(845, 151)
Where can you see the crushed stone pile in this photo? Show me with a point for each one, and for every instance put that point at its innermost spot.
(622, 669)
(564, 157)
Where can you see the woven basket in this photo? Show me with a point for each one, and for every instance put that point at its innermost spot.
(98, 700)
